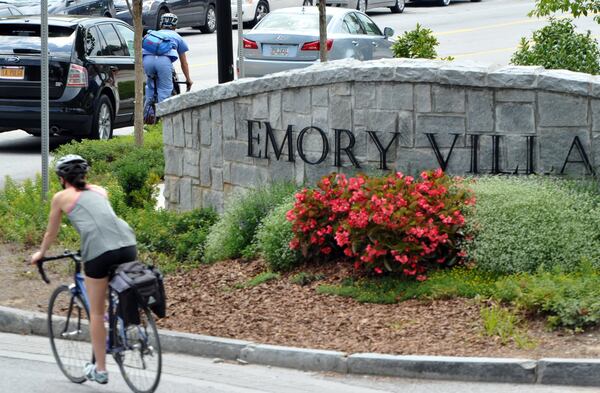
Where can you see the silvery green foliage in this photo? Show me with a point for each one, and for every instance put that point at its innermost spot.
(522, 224)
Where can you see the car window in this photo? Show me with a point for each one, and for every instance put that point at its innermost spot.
(127, 35)
(351, 25)
(292, 22)
(114, 46)
(25, 38)
(369, 26)
(5, 12)
(94, 44)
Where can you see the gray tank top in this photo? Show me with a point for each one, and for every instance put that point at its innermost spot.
(99, 227)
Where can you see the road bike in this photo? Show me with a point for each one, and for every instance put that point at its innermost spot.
(135, 348)
(150, 108)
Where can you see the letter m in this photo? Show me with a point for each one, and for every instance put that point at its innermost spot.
(270, 139)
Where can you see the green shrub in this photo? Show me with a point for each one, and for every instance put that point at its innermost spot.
(259, 279)
(505, 324)
(273, 238)
(304, 278)
(526, 224)
(418, 43)
(559, 46)
(181, 236)
(237, 227)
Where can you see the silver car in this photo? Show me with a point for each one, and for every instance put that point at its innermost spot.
(289, 38)
(396, 6)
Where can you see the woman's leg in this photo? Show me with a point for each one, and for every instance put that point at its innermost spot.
(97, 288)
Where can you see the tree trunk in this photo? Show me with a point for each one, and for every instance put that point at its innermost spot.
(322, 32)
(138, 123)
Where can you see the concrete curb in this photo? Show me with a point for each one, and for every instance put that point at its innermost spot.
(582, 372)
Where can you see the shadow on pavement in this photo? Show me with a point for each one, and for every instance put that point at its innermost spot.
(16, 142)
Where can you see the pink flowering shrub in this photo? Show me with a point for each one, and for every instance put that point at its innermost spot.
(392, 223)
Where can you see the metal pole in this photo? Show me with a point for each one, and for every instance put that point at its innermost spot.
(224, 41)
(44, 113)
(240, 28)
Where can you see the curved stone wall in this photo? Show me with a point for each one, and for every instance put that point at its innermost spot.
(393, 114)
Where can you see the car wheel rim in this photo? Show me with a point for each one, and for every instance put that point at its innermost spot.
(211, 19)
(400, 4)
(104, 122)
(261, 11)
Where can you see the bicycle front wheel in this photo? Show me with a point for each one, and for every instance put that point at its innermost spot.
(68, 329)
(140, 360)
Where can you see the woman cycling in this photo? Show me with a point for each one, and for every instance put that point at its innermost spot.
(106, 240)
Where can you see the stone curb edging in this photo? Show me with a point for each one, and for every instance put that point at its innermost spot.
(458, 72)
(582, 372)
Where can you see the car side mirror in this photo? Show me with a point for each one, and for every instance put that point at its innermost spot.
(388, 32)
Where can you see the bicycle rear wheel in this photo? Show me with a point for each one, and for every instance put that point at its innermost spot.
(68, 330)
(141, 360)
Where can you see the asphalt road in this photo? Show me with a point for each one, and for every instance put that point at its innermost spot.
(488, 31)
(26, 365)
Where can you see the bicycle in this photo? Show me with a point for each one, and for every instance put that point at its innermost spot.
(150, 109)
(134, 347)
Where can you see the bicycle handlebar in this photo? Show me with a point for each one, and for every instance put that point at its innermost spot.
(67, 254)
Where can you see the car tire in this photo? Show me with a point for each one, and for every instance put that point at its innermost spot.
(262, 9)
(102, 122)
(362, 5)
(399, 7)
(210, 20)
(161, 12)
(475, 1)
(444, 3)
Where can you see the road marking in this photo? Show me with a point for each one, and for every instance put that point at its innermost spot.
(485, 27)
(485, 52)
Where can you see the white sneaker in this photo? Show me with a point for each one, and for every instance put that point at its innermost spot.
(94, 375)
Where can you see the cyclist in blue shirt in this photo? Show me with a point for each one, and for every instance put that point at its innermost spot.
(162, 65)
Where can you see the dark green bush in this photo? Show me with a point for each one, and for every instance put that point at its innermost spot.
(236, 229)
(273, 238)
(179, 235)
(417, 43)
(559, 46)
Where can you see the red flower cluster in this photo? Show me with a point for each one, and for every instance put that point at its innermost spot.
(392, 223)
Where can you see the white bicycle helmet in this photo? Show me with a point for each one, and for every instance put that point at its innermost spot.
(71, 164)
(168, 20)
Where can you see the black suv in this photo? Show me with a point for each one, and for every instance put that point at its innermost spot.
(91, 75)
(66, 7)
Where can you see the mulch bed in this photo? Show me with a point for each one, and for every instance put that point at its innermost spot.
(206, 301)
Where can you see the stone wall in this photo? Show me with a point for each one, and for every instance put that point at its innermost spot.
(393, 114)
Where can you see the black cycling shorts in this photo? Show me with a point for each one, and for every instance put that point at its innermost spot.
(100, 266)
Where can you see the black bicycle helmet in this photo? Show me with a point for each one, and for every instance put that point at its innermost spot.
(71, 164)
(168, 20)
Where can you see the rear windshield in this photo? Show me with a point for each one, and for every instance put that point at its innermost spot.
(25, 38)
(294, 22)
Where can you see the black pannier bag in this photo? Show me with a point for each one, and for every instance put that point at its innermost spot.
(138, 285)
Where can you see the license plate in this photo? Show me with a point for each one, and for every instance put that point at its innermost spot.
(279, 51)
(8, 72)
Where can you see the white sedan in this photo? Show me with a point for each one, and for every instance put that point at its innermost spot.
(254, 10)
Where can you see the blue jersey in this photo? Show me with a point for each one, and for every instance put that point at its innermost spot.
(180, 45)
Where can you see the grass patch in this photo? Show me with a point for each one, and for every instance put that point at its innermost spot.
(259, 279)
(505, 324)
(304, 278)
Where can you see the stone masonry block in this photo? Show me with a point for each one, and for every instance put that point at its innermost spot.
(192, 141)
(191, 163)
(515, 118)
(320, 96)
(595, 115)
(173, 161)
(243, 113)
(260, 107)
(205, 126)
(187, 121)
(205, 180)
(395, 96)
(449, 99)
(365, 95)
(442, 126)
(297, 100)
(275, 108)
(515, 95)
(423, 101)
(178, 130)
(185, 194)
(414, 161)
(167, 130)
(340, 111)
(216, 175)
(554, 144)
(214, 199)
(340, 89)
(556, 110)
(236, 151)
(248, 176)
(228, 115)
(320, 117)
(480, 110)
(215, 113)
(216, 148)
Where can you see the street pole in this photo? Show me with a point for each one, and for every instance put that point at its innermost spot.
(240, 28)
(322, 32)
(224, 41)
(45, 121)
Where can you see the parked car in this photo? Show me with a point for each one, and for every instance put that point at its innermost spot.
(91, 76)
(396, 6)
(66, 7)
(9, 10)
(289, 38)
(440, 2)
(199, 14)
(254, 10)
